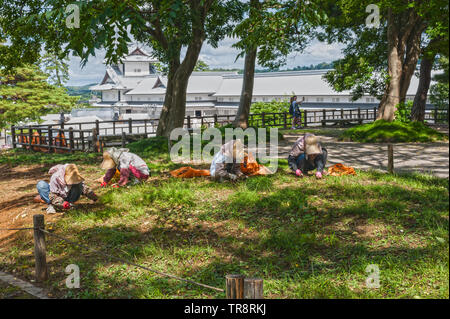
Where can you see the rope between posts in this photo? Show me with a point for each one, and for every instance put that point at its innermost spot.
(131, 263)
(26, 228)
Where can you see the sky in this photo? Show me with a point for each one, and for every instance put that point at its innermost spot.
(222, 57)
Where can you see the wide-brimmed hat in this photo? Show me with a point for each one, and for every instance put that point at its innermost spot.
(72, 175)
(108, 161)
(312, 145)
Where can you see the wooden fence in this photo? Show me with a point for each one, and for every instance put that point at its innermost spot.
(94, 136)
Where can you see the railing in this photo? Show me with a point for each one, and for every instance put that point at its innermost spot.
(94, 136)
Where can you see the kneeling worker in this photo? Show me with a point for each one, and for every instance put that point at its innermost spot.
(307, 154)
(129, 165)
(226, 164)
(65, 188)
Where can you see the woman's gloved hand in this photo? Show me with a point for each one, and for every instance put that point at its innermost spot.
(299, 173)
(66, 205)
(318, 175)
(103, 184)
(115, 185)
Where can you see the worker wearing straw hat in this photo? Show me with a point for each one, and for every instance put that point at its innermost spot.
(130, 166)
(226, 164)
(65, 188)
(306, 155)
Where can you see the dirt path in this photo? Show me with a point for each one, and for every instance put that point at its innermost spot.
(17, 190)
(408, 157)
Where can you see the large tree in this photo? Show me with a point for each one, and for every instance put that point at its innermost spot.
(271, 30)
(25, 94)
(381, 60)
(175, 29)
(435, 44)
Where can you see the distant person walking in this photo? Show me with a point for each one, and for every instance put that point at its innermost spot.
(294, 110)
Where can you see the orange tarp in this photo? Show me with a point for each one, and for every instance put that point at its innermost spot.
(339, 170)
(251, 167)
(189, 172)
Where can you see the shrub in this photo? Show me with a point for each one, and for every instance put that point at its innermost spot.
(403, 112)
(382, 131)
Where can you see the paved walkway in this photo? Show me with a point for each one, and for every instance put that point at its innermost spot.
(432, 158)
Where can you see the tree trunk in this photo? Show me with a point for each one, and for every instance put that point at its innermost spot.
(420, 100)
(245, 102)
(174, 109)
(392, 95)
(404, 37)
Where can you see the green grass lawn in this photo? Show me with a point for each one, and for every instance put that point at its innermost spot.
(306, 238)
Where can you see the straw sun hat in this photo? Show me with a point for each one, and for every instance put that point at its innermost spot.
(312, 145)
(108, 161)
(72, 175)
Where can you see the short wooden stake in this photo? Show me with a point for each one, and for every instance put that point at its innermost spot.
(390, 158)
(253, 288)
(235, 287)
(39, 248)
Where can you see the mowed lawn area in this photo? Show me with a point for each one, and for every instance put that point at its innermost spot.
(306, 238)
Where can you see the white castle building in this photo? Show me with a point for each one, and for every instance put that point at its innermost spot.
(134, 86)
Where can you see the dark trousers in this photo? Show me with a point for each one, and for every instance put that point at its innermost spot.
(300, 162)
(74, 192)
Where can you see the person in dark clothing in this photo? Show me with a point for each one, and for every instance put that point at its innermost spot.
(306, 155)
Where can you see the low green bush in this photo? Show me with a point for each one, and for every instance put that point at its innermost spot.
(382, 131)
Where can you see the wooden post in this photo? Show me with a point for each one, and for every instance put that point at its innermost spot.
(50, 138)
(435, 114)
(324, 115)
(253, 288)
(359, 112)
(285, 119)
(342, 113)
(367, 114)
(114, 127)
(145, 125)
(30, 136)
(13, 135)
(130, 126)
(390, 158)
(124, 139)
(39, 248)
(97, 127)
(189, 121)
(374, 113)
(71, 142)
(82, 139)
(235, 287)
(306, 118)
(215, 120)
(94, 140)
